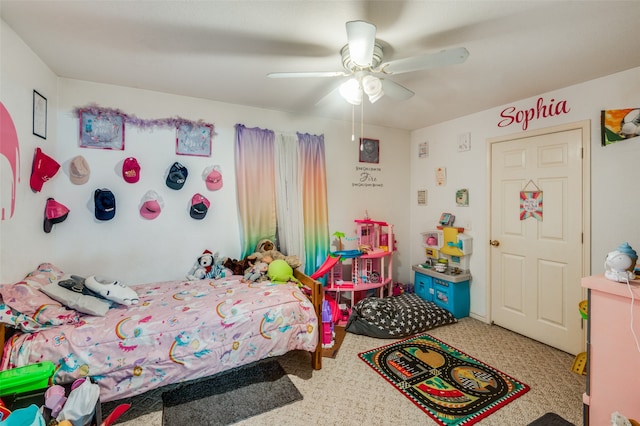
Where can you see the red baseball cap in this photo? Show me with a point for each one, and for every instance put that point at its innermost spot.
(131, 170)
(44, 168)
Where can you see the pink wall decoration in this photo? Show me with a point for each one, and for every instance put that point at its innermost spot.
(9, 149)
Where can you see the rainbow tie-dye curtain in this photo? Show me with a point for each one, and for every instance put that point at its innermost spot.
(314, 199)
(255, 176)
(255, 179)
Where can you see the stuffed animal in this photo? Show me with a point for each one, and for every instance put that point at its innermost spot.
(266, 247)
(279, 272)
(209, 266)
(202, 266)
(237, 267)
(257, 272)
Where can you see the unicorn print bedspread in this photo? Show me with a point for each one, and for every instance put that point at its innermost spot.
(180, 330)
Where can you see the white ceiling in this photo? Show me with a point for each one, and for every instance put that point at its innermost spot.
(223, 50)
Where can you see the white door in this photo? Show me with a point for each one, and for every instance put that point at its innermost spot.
(538, 246)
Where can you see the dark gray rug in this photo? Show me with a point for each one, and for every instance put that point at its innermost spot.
(230, 396)
(274, 389)
(550, 419)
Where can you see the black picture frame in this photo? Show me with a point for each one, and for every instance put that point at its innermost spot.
(369, 150)
(39, 115)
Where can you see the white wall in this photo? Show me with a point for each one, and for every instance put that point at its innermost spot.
(136, 250)
(614, 177)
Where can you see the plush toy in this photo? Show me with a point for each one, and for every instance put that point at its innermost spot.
(237, 267)
(266, 247)
(257, 272)
(209, 266)
(279, 272)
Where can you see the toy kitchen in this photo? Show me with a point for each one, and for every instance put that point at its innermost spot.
(444, 276)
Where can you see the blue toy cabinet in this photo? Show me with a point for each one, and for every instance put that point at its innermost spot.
(448, 291)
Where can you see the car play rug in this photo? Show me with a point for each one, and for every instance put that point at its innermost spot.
(449, 385)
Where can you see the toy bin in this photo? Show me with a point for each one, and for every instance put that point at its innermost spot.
(22, 380)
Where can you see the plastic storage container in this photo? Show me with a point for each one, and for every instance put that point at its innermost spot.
(25, 379)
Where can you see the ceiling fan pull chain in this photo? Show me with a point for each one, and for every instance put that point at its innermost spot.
(353, 123)
(361, 124)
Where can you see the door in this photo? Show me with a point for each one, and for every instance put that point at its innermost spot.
(538, 218)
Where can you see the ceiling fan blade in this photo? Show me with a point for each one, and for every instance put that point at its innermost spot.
(429, 60)
(306, 74)
(361, 38)
(395, 90)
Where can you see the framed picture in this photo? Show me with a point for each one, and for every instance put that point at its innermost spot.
(194, 139)
(103, 131)
(423, 150)
(369, 150)
(620, 124)
(39, 115)
(462, 197)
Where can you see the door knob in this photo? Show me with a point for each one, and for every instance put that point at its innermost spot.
(494, 243)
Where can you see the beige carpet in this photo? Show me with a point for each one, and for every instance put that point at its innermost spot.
(348, 392)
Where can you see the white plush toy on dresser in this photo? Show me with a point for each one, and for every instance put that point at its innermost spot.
(620, 263)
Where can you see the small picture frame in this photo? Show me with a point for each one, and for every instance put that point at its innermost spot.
(194, 139)
(39, 115)
(462, 197)
(102, 131)
(369, 150)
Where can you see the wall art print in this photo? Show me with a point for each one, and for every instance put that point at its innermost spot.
(619, 125)
(369, 150)
(39, 115)
(194, 139)
(103, 131)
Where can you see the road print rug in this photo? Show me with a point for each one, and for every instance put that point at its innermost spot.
(450, 386)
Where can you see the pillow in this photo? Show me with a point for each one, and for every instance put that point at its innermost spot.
(80, 302)
(24, 298)
(398, 316)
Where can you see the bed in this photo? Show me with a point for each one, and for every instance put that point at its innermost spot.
(179, 330)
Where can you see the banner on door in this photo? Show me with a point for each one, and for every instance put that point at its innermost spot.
(531, 202)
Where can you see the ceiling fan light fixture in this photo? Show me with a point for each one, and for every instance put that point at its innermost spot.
(351, 91)
(372, 86)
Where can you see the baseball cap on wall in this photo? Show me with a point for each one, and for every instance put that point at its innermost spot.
(54, 212)
(199, 206)
(79, 170)
(212, 177)
(131, 170)
(177, 176)
(152, 205)
(44, 168)
(105, 204)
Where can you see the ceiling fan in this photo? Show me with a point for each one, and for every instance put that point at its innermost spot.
(362, 60)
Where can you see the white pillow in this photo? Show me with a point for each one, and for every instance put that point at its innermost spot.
(80, 302)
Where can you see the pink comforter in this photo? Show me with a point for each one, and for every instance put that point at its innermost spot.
(180, 330)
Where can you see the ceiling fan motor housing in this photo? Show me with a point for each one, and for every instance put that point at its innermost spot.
(351, 66)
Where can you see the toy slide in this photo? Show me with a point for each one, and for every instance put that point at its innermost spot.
(326, 266)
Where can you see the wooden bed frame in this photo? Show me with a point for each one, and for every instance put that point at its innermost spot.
(316, 297)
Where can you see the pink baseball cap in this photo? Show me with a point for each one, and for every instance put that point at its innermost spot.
(152, 205)
(213, 177)
(131, 170)
(54, 212)
(44, 168)
(199, 206)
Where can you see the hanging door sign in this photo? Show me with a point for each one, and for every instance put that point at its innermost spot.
(531, 202)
